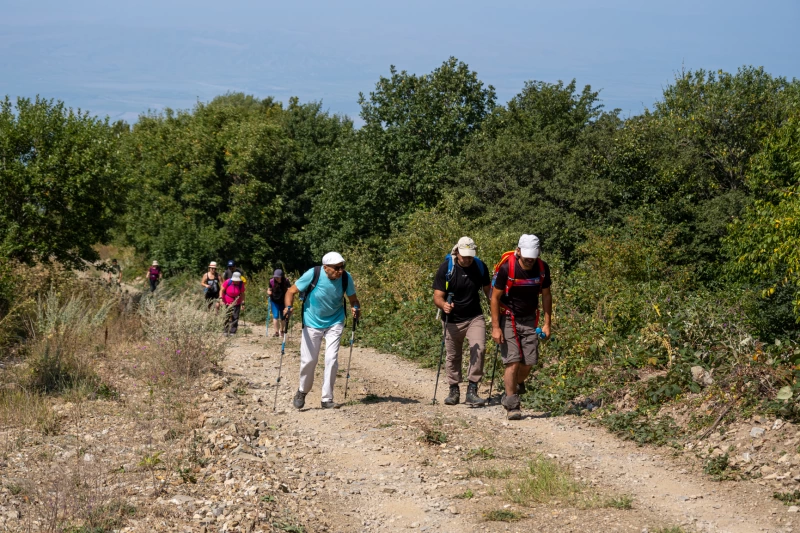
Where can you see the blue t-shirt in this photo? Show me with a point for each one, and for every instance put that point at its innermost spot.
(324, 306)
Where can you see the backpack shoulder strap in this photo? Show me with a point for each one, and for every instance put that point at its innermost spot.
(481, 266)
(345, 282)
(314, 280)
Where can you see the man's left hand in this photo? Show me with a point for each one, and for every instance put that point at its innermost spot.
(546, 331)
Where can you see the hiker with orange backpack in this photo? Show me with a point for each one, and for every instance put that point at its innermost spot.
(463, 275)
(519, 278)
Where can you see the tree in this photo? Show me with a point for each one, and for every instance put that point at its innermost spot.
(403, 157)
(537, 166)
(226, 181)
(765, 242)
(61, 187)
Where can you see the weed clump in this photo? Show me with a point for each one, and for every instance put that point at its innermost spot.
(638, 427)
(718, 468)
(480, 453)
(503, 515)
(788, 498)
(542, 481)
(432, 433)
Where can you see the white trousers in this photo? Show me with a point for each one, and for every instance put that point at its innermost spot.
(309, 356)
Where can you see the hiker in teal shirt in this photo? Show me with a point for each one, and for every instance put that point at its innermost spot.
(323, 318)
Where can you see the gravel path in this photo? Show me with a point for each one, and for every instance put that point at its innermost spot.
(364, 468)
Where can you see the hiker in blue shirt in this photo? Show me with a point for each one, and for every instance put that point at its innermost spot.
(323, 317)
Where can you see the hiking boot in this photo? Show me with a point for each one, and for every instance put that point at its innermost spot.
(472, 399)
(330, 404)
(454, 397)
(521, 389)
(511, 403)
(299, 399)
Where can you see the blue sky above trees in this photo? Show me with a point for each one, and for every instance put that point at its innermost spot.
(121, 59)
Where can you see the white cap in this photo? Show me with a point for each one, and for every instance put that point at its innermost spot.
(332, 258)
(155, 263)
(213, 264)
(529, 246)
(466, 247)
(237, 276)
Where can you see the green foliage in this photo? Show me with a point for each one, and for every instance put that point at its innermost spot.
(404, 156)
(466, 495)
(765, 241)
(60, 181)
(503, 515)
(480, 453)
(641, 429)
(788, 498)
(231, 179)
(542, 481)
(718, 468)
(623, 502)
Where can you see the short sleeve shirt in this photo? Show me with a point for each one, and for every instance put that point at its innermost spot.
(523, 300)
(324, 307)
(466, 285)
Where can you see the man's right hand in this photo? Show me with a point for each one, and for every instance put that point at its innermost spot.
(497, 335)
(286, 312)
(447, 308)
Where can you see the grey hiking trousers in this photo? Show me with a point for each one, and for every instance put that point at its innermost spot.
(474, 331)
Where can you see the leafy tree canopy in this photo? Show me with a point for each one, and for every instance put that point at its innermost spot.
(59, 172)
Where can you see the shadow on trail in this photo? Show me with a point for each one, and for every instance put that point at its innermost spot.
(374, 398)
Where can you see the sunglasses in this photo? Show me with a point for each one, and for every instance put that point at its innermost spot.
(335, 268)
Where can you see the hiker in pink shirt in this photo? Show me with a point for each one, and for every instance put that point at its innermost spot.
(232, 295)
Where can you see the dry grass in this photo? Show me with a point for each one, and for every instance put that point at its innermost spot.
(20, 408)
(544, 480)
(183, 338)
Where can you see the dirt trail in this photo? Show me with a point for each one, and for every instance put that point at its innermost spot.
(363, 467)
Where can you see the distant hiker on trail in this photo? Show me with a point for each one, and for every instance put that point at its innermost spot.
(230, 270)
(519, 279)
(211, 285)
(323, 317)
(233, 297)
(114, 276)
(154, 276)
(465, 276)
(278, 285)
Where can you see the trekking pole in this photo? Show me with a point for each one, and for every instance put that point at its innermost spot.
(441, 353)
(494, 371)
(349, 359)
(280, 365)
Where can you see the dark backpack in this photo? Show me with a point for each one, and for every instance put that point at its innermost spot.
(278, 290)
(213, 286)
(313, 284)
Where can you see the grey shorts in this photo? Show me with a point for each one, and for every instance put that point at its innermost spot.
(525, 336)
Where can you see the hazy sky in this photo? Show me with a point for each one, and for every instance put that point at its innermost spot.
(123, 58)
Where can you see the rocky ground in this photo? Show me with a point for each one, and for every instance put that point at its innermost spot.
(216, 457)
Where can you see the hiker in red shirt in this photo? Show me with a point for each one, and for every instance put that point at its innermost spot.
(154, 276)
(519, 279)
